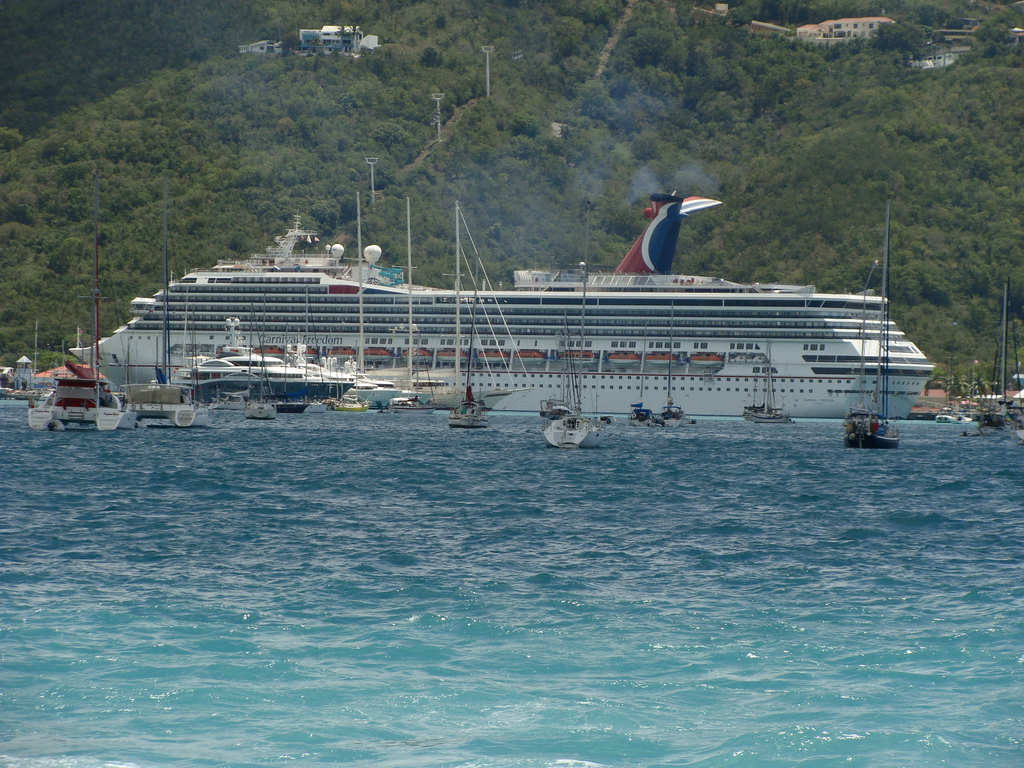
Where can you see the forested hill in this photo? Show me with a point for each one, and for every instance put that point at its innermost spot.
(802, 144)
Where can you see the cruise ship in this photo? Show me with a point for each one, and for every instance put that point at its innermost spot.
(639, 334)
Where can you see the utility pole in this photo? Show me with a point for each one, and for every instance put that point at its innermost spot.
(437, 112)
(371, 161)
(488, 50)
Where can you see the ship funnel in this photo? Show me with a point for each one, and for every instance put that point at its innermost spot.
(654, 250)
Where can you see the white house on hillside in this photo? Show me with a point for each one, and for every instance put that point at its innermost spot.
(937, 56)
(839, 30)
(333, 39)
(263, 46)
(345, 41)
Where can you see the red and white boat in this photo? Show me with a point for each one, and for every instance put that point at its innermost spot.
(84, 401)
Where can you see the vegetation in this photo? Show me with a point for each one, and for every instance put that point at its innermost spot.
(802, 143)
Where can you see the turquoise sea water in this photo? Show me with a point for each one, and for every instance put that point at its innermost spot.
(385, 592)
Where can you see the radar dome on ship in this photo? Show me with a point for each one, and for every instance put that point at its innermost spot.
(337, 250)
(371, 254)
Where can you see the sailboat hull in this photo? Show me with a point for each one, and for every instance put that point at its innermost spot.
(573, 432)
(859, 440)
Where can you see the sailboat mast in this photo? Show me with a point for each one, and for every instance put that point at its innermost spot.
(167, 297)
(359, 261)
(96, 289)
(408, 248)
(671, 348)
(458, 303)
(1002, 344)
(583, 323)
(883, 355)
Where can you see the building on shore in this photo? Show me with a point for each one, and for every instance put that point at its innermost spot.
(840, 30)
(346, 40)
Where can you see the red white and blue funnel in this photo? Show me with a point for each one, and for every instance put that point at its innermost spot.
(655, 248)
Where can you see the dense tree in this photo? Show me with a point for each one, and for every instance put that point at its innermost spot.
(801, 143)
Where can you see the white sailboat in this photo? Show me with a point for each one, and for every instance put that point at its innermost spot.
(261, 408)
(570, 428)
(766, 412)
(469, 413)
(161, 400)
(1001, 413)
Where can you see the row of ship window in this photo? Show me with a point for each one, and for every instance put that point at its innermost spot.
(207, 323)
(563, 305)
(349, 303)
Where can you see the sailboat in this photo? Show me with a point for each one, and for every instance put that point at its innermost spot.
(87, 399)
(261, 408)
(1001, 413)
(868, 427)
(569, 428)
(638, 415)
(671, 415)
(160, 399)
(767, 412)
(470, 413)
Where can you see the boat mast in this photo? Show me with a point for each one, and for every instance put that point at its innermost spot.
(167, 292)
(671, 346)
(458, 304)
(408, 248)
(96, 289)
(883, 331)
(1002, 345)
(359, 261)
(578, 383)
(643, 360)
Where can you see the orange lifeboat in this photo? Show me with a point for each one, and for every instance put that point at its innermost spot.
(531, 356)
(659, 358)
(706, 358)
(624, 358)
(493, 354)
(377, 354)
(585, 356)
(448, 354)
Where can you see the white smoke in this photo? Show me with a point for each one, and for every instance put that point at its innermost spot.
(645, 182)
(689, 179)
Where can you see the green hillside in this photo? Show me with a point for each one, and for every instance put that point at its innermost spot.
(801, 143)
